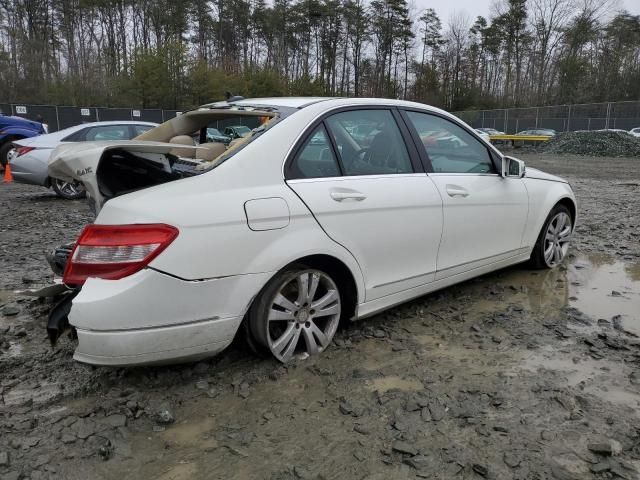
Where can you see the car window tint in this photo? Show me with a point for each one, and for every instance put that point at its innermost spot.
(140, 129)
(108, 132)
(316, 159)
(450, 148)
(369, 142)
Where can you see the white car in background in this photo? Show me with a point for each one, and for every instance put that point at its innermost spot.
(29, 160)
(484, 135)
(635, 132)
(295, 229)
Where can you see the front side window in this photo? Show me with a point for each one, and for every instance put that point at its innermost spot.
(369, 142)
(316, 158)
(450, 148)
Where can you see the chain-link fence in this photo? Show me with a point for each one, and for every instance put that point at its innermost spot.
(58, 118)
(562, 118)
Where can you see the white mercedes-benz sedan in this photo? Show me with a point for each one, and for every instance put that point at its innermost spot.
(331, 209)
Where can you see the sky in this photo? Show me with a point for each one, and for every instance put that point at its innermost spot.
(473, 8)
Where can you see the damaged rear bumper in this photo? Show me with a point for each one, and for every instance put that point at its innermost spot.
(151, 317)
(156, 345)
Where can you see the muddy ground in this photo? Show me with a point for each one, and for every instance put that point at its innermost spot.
(518, 374)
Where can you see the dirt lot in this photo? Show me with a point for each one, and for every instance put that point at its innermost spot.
(516, 375)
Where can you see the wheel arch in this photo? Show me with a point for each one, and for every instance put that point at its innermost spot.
(571, 205)
(341, 274)
(339, 271)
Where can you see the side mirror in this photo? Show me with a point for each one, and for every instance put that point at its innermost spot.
(512, 167)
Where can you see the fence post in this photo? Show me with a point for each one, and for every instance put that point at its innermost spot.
(537, 115)
(569, 119)
(506, 117)
(606, 123)
(482, 118)
(57, 119)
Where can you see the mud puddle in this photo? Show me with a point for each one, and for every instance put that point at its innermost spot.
(607, 380)
(4, 297)
(598, 286)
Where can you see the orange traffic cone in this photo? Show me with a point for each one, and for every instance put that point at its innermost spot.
(8, 178)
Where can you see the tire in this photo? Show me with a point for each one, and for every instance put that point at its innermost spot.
(286, 323)
(5, 148)
(551, 246)
(67, 190)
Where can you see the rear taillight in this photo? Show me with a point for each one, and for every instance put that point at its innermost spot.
(116, 251)
(22, 150)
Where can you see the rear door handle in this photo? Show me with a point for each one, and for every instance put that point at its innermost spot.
(342, 196)
(456, 191)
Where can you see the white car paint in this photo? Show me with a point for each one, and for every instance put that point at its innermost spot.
(635, 132)
(399, 235)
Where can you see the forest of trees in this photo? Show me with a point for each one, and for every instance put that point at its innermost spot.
(181, 53)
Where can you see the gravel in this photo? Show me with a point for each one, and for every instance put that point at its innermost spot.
(593, 143)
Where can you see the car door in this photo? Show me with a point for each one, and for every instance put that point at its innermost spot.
(484, 213)
(369, 195)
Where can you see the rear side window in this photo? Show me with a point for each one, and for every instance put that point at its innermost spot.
(316, 158)
(450, 147)
(140, 129)
(107, 132)
(369, 142)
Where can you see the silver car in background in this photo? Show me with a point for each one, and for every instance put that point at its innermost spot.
(29, 161)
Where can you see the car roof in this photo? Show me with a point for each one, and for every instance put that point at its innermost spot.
(301, 102)
(292, 102)
(114, 122)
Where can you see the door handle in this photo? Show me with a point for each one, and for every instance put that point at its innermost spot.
(456, 191)
(341, 196)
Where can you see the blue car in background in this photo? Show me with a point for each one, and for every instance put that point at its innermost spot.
(16, 128)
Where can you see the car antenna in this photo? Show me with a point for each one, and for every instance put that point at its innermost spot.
(230, 97)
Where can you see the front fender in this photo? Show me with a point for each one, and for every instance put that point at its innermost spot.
(543, 196)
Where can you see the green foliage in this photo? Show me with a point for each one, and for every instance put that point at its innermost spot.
(181, 53)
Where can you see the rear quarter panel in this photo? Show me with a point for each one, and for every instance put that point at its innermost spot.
(215, 239)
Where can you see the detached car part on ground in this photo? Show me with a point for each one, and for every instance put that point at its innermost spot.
(296, 228)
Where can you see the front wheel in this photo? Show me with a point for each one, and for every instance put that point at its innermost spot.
(296, 314)
(68, 190)
(553, 242)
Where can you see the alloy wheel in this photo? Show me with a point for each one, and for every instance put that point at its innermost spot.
(69, 190)
(303, 316)
(11, 154)
(556, 240)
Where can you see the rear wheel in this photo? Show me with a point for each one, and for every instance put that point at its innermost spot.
(68, 190)
(553, 242)
(5, 148)
(296, 314)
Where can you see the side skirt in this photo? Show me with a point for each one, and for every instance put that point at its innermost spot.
(368, 309)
